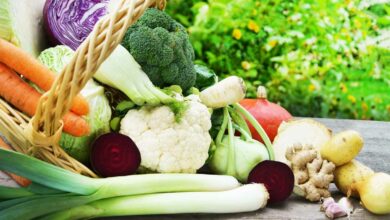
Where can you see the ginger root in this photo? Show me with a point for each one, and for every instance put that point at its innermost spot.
(312, 174)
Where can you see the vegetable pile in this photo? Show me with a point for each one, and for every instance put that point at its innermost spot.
(151, 123)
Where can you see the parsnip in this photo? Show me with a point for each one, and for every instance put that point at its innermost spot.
(342, 147)
(228, 91)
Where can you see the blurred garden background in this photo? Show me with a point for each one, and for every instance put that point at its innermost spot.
(317, 58)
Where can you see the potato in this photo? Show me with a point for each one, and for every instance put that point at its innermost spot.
(342, 147)
(347, 175)
(375, 193)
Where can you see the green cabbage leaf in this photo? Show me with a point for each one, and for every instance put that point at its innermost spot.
(100, 112)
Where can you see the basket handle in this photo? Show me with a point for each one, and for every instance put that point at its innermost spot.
(44, 129)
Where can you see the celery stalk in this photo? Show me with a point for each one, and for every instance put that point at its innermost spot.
(246, 198)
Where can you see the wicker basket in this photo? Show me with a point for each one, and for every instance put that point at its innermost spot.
(40, 135)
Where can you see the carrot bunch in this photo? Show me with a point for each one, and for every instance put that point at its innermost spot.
(24, 97)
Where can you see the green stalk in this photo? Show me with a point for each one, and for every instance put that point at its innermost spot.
(122, 186)
(13, 192)
(140, 184)
(94, 189)
(232, 153)
(239, 120)
(246, 198)
(46, 174)
(247, 136)
(61, 179)
(42, 190)
(258, 128)
(222, 131)
(12, 202)
(43, 205)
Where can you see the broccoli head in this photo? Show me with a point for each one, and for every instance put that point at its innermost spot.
(162, 47)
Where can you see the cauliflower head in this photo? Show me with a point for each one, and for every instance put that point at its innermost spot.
(168, 146)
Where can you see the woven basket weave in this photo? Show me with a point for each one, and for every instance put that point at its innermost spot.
(40, 135)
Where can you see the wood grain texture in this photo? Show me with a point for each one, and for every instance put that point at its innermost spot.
(375, 154)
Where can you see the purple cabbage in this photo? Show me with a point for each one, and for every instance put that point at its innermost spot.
(69, 22)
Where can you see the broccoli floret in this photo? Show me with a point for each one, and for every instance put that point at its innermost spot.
(162, 47)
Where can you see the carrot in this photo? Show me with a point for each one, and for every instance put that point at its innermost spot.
(26, 98)
(36, 72)
(18, 179)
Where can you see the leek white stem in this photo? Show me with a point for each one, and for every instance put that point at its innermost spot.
(246, 198)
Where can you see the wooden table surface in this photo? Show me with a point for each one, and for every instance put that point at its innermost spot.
(375, 154)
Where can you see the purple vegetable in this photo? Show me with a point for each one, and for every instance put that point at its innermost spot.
(115, 154)
(69, 22)
(276, 176)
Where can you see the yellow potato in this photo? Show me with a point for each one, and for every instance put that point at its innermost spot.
(347, 175)
(342, 147)
(375, 193)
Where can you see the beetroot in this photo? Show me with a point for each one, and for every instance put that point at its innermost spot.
(276, 176)
(115, 154)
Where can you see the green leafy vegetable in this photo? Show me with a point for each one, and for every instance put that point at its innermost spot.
(205, 77)
(21, 24)
(161, 46)
(99, 116)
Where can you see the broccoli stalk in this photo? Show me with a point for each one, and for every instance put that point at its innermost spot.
(122, 72)
(163, 49)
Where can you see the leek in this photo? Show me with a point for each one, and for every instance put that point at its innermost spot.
(246, 198)
(12, 192)
(84, 190)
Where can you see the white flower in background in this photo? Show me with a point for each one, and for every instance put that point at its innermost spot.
(311, 41)
(297, 34)
(268, 29)
(283, 70)
(306, 6)
(296, 17)
(293, 55)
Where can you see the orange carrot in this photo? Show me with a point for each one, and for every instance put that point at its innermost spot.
(18, 179)
(36, 72)
(26, 98)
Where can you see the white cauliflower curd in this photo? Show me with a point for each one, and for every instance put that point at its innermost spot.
(168, 146)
